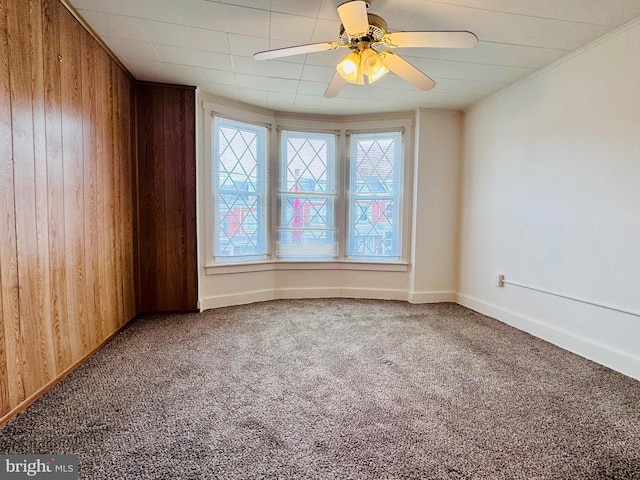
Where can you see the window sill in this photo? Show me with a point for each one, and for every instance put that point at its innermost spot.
(267, 266)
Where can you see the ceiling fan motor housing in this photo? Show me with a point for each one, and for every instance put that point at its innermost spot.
(377, 29)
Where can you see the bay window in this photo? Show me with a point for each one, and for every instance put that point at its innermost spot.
(313, 194)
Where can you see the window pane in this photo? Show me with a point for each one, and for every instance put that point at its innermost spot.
(239, 172)
(375, 195)
(307, 196)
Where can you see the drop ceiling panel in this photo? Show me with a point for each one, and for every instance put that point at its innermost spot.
(148, 71)
(210, 43)
(133, 50)
(306, 8)
(248, 66)
(291, 28)
(597, 12)
(246, 46)
(244, 21)
(114, 26)
(495, 54)
(193, 57)
(260, 4)
(206, 39)
(284, 70)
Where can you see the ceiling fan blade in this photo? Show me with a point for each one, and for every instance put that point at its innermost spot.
(354, 18)
(430, 39)
(404, 69)
(337, 82)
(298, 50)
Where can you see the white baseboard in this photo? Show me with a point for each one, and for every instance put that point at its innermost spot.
(236, 299)
(620, 361)
(381, 294)
(330, 292)
(432, 297)
(282, 293)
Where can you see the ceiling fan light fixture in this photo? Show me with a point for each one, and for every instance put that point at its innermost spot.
(349, 67)
(381, 72)
(371, 65)
(365, 35)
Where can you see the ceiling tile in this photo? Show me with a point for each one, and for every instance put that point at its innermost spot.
(319, 74)
(282, 85)
(327, 10)
(194, 58)
(308, 99)
(279, 100)
(253, 97)
(465, 71)
(495, 26)
(211, 43)
(325, 31)
(209, 40)
(306, 8)
(217, 76)
(598, 12)
(291, 28)
(132, 49)
(492, 54)
(246, 21)
(114, 26)
(183, 74)
(250, 66)
(311, 88)
(164, 33)
(147, 71)
(227, 91)
(246, 46)
(251, 81)
(284, 69)
(259, 4)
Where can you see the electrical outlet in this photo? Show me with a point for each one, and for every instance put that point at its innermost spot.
(499, 280)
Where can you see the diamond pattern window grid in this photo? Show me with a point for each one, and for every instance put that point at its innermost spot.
(375, 161)
(307, 215)
(306, 164)
(240, 217)
(376, 186)
(238, 158)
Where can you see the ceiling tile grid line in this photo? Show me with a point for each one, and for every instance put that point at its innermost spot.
(210, 44)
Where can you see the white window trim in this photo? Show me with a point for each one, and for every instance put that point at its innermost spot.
(261, 192)
(212, 110)
(263, 266)
(341, 126)
(400, 200)
(335, 196)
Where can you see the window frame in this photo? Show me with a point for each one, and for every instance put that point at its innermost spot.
(334, 195)
(261, 193)
(396, 197)
(342, 127)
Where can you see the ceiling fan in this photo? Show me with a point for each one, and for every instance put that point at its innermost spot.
(366, 36)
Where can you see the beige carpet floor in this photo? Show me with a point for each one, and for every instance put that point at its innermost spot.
(336, 389)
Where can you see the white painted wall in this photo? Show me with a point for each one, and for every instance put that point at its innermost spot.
(435, 207)
(551, 198)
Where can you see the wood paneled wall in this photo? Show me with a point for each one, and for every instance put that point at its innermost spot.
(66, 197)
(165, 118)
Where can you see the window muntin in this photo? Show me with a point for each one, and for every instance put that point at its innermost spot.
(375, 196)
(239, 190)
(271, 204)
(308, 194)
